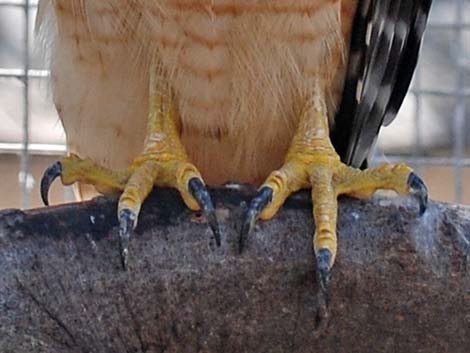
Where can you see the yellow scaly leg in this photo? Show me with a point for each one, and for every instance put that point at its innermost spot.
(163, 162)
(313, 162)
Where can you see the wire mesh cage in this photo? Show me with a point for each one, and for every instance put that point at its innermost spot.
(431, 133)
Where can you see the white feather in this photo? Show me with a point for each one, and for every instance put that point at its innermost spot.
(241, 72)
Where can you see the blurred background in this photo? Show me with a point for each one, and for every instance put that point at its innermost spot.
(431, 133)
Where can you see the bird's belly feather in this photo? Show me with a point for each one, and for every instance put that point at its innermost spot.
(240, 72)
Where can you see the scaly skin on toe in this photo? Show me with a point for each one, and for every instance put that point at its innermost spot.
(313, 162)
(72, 169)
(163, 162)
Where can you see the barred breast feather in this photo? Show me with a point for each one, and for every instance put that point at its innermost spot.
(240, 70)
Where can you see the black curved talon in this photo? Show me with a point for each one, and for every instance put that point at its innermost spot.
(257, 205)
(419, 191)
(127, 223)
(200, 193)
(324, 258)
(50, 174)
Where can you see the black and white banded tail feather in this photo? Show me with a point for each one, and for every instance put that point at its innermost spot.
(385, 42)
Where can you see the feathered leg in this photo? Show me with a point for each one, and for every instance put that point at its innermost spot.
(313, 162)
(163, 162)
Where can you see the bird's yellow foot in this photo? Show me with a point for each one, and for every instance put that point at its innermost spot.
(163, 162)
(312, 162)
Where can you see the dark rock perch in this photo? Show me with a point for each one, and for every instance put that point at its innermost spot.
(400, 283)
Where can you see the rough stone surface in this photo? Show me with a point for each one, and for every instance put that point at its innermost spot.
(401, 283)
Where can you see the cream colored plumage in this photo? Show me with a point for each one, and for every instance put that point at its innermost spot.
(241, 72)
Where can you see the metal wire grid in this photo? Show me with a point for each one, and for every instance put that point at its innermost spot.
(458, 160)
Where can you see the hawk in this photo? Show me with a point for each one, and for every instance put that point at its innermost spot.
(285, 94)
